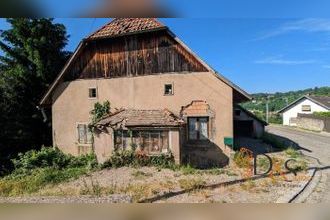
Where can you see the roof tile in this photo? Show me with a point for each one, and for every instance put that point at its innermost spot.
(133, 117)
(124, 26)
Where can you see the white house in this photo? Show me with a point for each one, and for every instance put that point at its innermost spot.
(304, 105)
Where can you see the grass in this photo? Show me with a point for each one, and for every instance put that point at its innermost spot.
(248, 185)
(22, 184)
(140, 174)
(263, 164)
(191, 183)
(292, 153)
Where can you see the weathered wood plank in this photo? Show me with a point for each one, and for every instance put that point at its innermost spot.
(136, 55)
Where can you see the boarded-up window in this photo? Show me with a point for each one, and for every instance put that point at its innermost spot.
(198, 128)
(306, 108)
(84, 134)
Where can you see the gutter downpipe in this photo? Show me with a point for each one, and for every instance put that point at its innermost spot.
(42, 110)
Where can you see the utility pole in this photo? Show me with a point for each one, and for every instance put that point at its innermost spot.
(267, 108)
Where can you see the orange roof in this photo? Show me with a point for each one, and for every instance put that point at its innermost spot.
(124, 26)
(143, 118)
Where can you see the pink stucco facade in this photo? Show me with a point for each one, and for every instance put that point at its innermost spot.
(72, 105)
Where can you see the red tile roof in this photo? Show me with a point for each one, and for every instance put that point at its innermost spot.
(143, 118)
(124, 26)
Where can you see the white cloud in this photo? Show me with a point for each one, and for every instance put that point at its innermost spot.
(326, 66)
(281, 61)
(306, 25)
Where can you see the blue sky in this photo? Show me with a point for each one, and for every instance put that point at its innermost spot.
(204, 8)
(260, 55)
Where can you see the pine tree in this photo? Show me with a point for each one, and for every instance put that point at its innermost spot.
(33, 55)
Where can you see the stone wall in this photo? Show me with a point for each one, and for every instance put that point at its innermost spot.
(312, 122)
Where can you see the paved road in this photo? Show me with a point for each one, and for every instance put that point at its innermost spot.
(314, 145)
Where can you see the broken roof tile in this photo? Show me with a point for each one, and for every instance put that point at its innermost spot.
(124, 26)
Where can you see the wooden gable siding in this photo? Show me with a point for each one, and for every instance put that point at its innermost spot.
(134, 55)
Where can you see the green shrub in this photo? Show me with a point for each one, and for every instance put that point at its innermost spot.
(100, 110)
(49, 157)
(136, 159)
(36, 169)
(322, 114)
(293, 153)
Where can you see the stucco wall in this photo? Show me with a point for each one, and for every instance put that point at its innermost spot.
(71, 103)
(310, 123)
(294, 110)
(313, 122)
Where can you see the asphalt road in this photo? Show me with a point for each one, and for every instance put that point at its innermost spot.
(317, 146)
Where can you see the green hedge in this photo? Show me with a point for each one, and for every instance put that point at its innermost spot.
(322, 114)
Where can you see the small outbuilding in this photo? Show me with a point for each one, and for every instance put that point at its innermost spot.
(246, 124)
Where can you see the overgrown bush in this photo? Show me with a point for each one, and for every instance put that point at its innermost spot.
(242, 159)
(138, 159)
(49, 157)
(36, 169)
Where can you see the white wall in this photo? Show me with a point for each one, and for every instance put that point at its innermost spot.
(297, 108)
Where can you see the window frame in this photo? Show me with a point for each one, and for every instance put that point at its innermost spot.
(172, 89)
(306, 106)
(89, 93)
(198, 138)
(145, 140)
(87, 141)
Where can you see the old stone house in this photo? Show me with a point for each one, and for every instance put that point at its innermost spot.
(163, 97)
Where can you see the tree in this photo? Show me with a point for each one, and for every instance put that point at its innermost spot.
(33, 56)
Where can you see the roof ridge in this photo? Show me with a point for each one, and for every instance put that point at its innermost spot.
(124, 26)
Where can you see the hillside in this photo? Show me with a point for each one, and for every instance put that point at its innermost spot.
(279, 100)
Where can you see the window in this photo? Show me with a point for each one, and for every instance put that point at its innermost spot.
(151, 142)
(84, 134)
(198, 128)
(92, 93)
(306, 108)
(238, 112)
(168, 89)
(122, 139)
